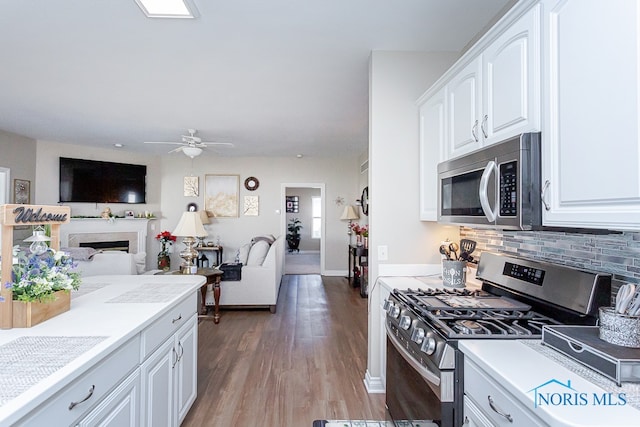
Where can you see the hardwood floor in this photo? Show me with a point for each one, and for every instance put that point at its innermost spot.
(305, 362)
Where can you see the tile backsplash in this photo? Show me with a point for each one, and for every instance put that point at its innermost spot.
(617, 254)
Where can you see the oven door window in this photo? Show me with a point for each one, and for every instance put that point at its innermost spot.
(460, 195)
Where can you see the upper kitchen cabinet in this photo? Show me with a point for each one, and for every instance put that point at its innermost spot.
(432, 140)
(497, 94)
(463, 103)
(493, 91)
(591, 149)
(511, 81)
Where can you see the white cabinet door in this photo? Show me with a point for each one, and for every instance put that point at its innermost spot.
(158, 387)
(120, 408)
(511, 80)
(187, 367)
(590, 136)
(432, 142)
(464, 93)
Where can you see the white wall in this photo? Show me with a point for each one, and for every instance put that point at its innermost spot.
(165, 177)
(396, 81)
(18, 154)
(340, 176)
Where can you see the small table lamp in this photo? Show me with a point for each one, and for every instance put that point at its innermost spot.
(190, 226)
(204, 217)
(350, 214)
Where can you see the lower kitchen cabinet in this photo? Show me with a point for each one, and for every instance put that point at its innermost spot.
(90, 397)
(486, 403)
(169, 383)
(118, 409)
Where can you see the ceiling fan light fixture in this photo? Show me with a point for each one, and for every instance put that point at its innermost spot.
(168, 8)
(192, 151)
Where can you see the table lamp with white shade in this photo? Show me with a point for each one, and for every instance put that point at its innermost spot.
(204, 217)
(350, 214)
(190, 226)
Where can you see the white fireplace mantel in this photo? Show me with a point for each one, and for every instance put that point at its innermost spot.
(71, 234)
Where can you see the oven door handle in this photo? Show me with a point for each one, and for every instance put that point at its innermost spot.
(424, 372)
(483, 191)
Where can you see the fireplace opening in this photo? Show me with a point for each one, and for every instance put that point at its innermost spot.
(116, 245)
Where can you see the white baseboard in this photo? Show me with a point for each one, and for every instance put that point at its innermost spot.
(335, 273)
(374, 385)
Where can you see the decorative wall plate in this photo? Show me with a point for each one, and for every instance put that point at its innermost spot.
(251, 183)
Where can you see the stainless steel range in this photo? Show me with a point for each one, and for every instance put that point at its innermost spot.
(518, 297)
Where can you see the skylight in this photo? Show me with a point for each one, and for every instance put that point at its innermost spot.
(167, 8)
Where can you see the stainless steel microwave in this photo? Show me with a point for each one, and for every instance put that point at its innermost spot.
(497, 186)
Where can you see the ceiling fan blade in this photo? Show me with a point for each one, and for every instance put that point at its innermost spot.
(163, 142)
(175, 150)
(205, 144)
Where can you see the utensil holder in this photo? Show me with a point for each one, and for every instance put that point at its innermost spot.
(619, 329)
(454, 273)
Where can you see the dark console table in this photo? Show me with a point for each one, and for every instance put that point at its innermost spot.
(357, 259)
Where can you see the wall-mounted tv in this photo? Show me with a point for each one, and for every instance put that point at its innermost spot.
(101, 182)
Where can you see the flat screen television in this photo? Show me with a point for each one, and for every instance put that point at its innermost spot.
(101, 182)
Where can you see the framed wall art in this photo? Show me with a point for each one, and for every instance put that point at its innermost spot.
(221, 195)
(251, 206)
(292, 204)
(21, 191)
(191, 186)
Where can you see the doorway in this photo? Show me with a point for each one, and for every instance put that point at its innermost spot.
(304, 202)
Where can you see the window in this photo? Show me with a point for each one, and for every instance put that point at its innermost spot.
(316, 213)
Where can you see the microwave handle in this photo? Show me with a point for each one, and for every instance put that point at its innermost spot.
(484, 186)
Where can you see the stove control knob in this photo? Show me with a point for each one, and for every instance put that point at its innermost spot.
(405, 322)
(386, 305)
(417, 336)
(394, 311)
(429, 344)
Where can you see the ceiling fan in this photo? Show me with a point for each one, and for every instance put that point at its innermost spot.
(191, 145)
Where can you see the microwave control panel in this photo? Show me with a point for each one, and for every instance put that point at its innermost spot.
(509, 189)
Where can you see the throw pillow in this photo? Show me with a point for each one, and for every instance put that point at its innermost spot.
(141, 262)
(243, 253)
(258, 253)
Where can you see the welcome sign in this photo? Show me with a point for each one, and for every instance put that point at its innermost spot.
(13, 215)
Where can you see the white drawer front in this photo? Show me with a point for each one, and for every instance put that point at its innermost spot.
(167, 325)
(88, 390)
(481, 389)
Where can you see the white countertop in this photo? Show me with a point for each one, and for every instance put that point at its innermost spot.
(114, 308)
(424, 282)
(520, 369)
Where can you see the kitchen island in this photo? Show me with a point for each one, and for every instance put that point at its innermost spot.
(535, 385)
(124, 354)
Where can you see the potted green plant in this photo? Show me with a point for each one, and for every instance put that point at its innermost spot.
(293, 235)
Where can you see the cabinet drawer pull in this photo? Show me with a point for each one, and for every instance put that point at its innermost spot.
(497, 411)
(175, 320)
(543, 193)
(175, 357)
(74, 404)
(483, 126)
(474, 131)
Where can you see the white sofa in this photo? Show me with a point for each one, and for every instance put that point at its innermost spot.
(260, 284)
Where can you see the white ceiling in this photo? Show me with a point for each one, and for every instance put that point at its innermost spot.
(278, 77)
